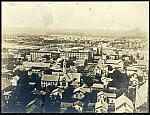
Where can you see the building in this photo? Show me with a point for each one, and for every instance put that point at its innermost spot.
(6, 91)
(75, 79)
(48, 79)
(78, 93)
(111, 96)
(35, 67)
(5, 85)
(39, 55)
(80, 55)
(115, 63)
(78, 105)
(131, 70)
(114, 56)
(14, 80)
(101, 105)
(97, 87)
(57, 92)
(141, 95)
(34, 106)
(61, 80)
(64, 106)
(106, 81)
(123, 105)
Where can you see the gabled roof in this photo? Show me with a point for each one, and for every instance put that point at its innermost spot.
(97, 85)
(66, 104)
(123, 99)
(71, 76)
(75, 75)
(113, 61)
(79, 89)
(5, 83)
(111, 95)
(36, 64)
(131, 68)
(16, 77)
(79, 103)
(48, 77)
(59, 90)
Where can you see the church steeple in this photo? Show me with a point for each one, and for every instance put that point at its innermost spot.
(64, 66)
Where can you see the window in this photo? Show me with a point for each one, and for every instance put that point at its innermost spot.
(112, 101)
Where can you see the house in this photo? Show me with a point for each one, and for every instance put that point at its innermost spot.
(64, 106)
(56, 68)
(134, 80)
(61, 80)
(48, 79)
(74, 78)
(111, 96)
(90, 108)
(72, 69)
(115, 63)
(80, 62)
(7, 95)
(70, 79)
(98, 70)
(114, 56)
(36, 64)
(5, 85)
(105, 81)
(34, 106)
(123, 105)
(78, 93)
(78, 105)
(140, 66)
(35, 67)
(97, 86)
(6, 91)
(15, 80)
(78, 108)
(131, 70)
(19, 67)
(141, 95)
(101, 105)
(57, 91)
(112, 89)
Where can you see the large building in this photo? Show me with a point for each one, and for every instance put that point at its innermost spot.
(81, 55)
(101, 105)
(39, 55)
(123, 105)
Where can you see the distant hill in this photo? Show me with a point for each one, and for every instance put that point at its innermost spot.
(112, 33)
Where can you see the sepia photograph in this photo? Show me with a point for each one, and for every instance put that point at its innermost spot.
(75, 57)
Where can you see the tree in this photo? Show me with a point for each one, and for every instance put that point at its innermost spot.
(120, 81)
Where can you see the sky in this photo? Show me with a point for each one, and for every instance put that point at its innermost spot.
(77, 15)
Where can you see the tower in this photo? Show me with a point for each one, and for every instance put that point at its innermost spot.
(64, 66)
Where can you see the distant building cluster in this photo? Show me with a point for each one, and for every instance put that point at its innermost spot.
(74, 74)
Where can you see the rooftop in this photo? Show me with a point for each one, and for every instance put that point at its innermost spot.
(5, 83)
(48, 77)
(123, 99)
(36, 64)
(113, 61)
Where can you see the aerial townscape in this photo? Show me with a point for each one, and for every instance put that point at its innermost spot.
(74, 73)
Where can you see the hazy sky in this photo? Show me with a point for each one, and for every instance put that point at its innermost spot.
(82, 15)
